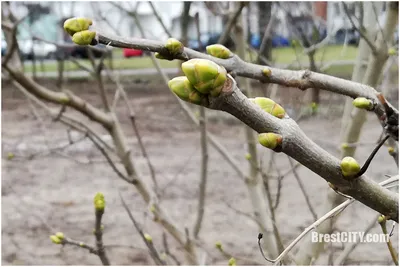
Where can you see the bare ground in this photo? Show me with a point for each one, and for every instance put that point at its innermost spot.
(43, 191)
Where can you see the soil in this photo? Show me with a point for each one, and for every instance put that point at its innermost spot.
(48, 191)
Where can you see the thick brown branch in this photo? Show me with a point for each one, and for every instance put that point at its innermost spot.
(298, 146)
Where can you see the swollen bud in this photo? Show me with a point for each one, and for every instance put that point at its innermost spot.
(270, 140)
(266, 72)
(55, 239)
(218, 245)
(314, 107)
(349, 166)
(219, 51)
(74, 25)
(392, 51)
(99, 202)
(232, 262)
(174, 46)
(152, 208)
(148, 238)
(60, 235)
(159, 56)
(381, 219)
(345, 146)
(206, 76)
(270, 106)
(363, 103)
(10, 155)
(185, 90)
(84, 37)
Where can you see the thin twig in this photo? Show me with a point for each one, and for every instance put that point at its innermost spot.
(132, 117)
(361, 31)
(158, 17)
(153, 252)
(98, 232)
(167, 251)
(328, 215)
(351, 246)
(303, 190)
(231, 22)
(392, 250)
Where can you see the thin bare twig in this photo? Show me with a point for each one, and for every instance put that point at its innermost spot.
(167, 251)
(351, 246)
(204, 157)
(98, 232)
(328, 215)
(303, 190)
(132, 117)
(153, 251)
(391, 249)
(158, 17)
(361, 31)
(231, 22)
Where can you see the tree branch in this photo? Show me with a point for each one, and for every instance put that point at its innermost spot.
(361, 31)
(290, 78)
(298, 146)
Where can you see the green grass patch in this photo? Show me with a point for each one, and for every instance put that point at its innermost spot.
(285, 55)
(118, 63)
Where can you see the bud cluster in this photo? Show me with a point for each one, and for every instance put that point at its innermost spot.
(202, 77)
(78, 29)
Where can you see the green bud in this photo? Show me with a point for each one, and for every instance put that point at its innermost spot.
(55, 239)
(83, 37)
(60, 235)
(74, 25)
(362, 102)
(185, 90)
(160, 56)
(349, 166)
(81, 244)
(381, 219)
(314, 107)
(270, 140)
(205, 75)
(174, 46)
(218, 245)
(64, 100)
(345, 145)
(391, 150)
(232, 262)
(99, 202)
(247, 156)
(270, 106)
(266, 72)
(392, 51)
(219, 51)
(148, 238)
(295, 43)
(10, 155)
(152, 208)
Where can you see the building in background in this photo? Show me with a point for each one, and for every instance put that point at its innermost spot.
(330, 15)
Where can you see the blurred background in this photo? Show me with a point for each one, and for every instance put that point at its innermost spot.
(50, 172)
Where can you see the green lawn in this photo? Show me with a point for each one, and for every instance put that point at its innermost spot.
(280, 55)
(287, 55)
